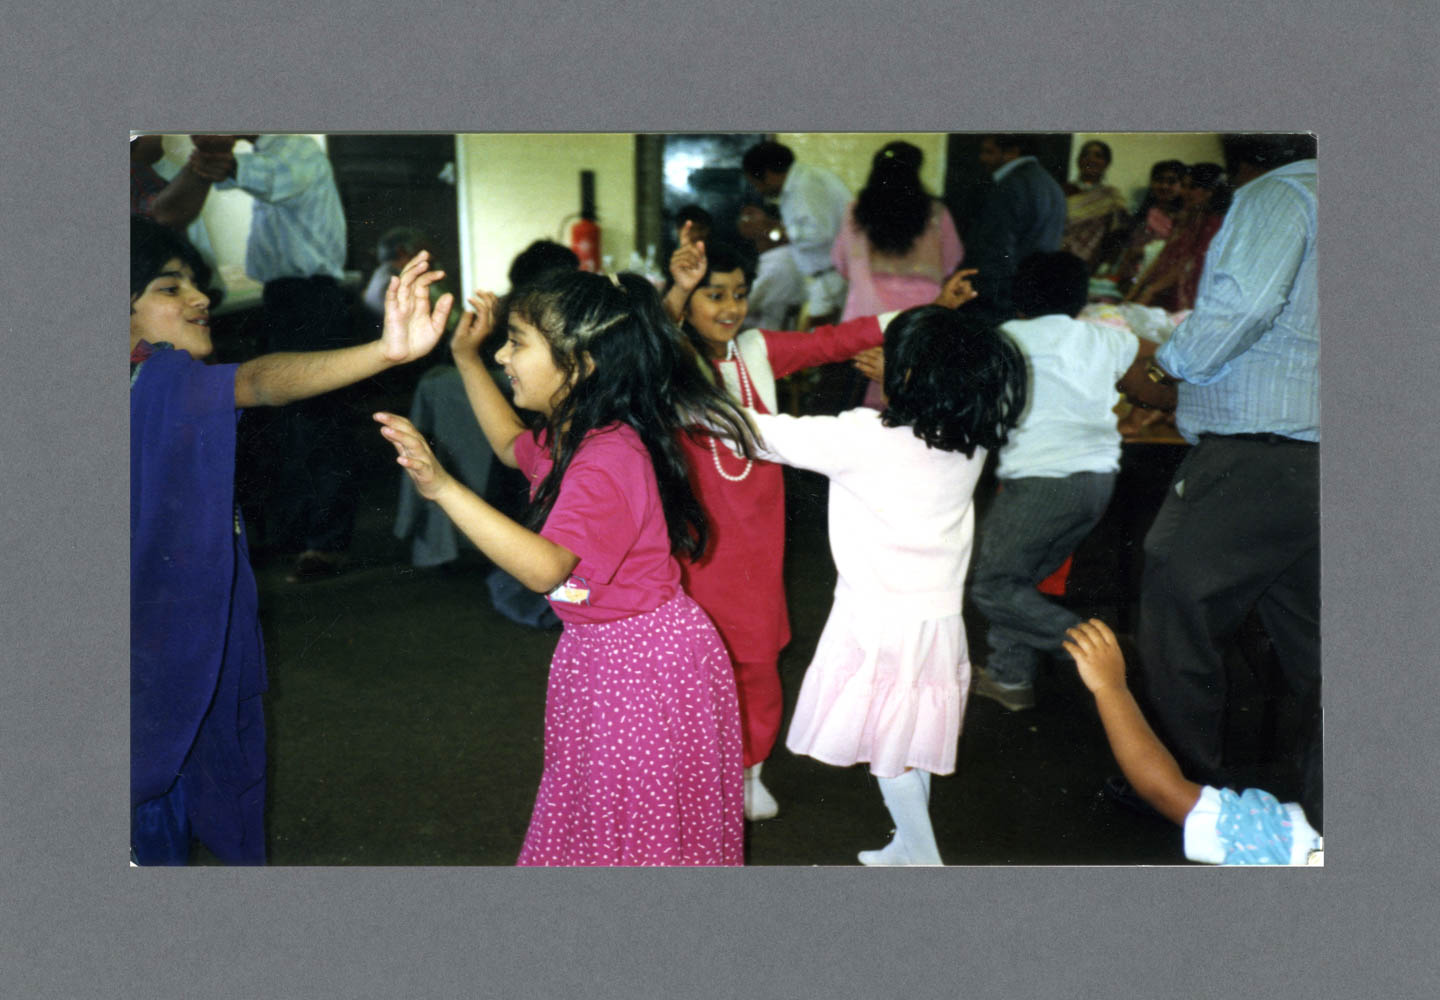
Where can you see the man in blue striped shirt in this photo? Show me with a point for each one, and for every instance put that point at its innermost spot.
(297, 248)
(1240, 526)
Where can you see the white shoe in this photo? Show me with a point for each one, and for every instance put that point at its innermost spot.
(892, 853)
(759, 803)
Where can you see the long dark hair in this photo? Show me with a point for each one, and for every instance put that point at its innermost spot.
(953, 378)
(893, 207)
(630, 366)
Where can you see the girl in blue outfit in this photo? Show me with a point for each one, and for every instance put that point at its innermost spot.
(197, 666)
(1222, 827)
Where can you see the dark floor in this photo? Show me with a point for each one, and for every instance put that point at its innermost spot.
(405, 719)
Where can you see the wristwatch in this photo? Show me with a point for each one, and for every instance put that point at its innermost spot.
(1158, 375)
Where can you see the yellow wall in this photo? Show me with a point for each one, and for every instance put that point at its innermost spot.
(518, 188)
(848, 154)
(1135, 152)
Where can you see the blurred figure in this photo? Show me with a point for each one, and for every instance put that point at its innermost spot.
(177, 202)
(1172, 280)
(1024, 213)
(1095, 213)
(297, 249)
(812, 205)
(778, 291)
(1154, 221)
(897, 246)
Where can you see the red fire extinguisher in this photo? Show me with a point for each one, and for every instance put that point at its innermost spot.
(585, 233)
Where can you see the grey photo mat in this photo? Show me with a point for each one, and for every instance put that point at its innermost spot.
(79, 922)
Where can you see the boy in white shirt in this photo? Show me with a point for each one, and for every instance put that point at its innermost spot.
(1056, 474)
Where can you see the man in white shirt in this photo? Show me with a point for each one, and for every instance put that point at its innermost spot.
(1056, 472)
(812, 208)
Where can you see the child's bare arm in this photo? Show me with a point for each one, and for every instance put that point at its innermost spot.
(497, 418)
(534, 560)
(1147, 765)
(412, 329)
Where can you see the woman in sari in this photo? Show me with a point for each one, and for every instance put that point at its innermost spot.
(1095, 213)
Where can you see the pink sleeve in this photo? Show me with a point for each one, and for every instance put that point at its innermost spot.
(592, 517)
(790, 351)
(952, 251)
(527, 454)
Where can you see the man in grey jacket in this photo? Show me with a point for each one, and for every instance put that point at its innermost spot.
(1023, 213)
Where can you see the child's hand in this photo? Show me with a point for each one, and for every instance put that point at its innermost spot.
(474, 327)
(413, 454)
(412, 328)
(1097, 655)
(871, 363)
(957, 289)
(687, 263)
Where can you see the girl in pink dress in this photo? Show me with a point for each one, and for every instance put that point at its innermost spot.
(897, 244)
(888, 680)
(642, 727)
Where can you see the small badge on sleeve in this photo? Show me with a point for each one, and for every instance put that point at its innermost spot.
(573, 591)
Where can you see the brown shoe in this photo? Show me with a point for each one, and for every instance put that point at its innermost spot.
(314, 565)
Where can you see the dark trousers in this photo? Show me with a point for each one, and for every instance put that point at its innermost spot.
(1031, 526)
(315, 492)
(1239, 530)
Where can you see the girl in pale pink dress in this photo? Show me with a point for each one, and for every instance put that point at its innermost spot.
(888, 681)
(897, 245)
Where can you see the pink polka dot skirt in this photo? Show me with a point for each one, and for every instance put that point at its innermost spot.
(642, 746)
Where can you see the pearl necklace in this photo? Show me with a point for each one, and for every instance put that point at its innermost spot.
(747, 400)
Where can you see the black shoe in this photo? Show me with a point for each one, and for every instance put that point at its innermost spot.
(1123, 794)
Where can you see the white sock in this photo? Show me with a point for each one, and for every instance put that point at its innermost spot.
(759, 803)
(914, 841)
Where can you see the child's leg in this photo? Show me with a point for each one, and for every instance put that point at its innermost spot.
(906, 797)
(757, 683)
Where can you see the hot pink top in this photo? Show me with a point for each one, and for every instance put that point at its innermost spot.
(608, 513)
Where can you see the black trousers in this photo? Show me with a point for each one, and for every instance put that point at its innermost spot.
(1239, 530)
(312, 502)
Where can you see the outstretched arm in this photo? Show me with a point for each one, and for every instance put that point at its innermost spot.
(535, 561)
(411, 330)
(1147, 765)
(498, 419)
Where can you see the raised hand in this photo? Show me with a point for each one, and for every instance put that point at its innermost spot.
(412, 328)
(957, 289)
(688, 263)
(475, 326)
(413, 454)
(1097, 655)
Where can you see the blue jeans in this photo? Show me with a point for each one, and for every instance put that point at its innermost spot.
(1031, 527)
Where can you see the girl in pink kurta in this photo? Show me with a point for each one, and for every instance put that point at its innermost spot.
(888, 680)
(897, 244)
(642, 727)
